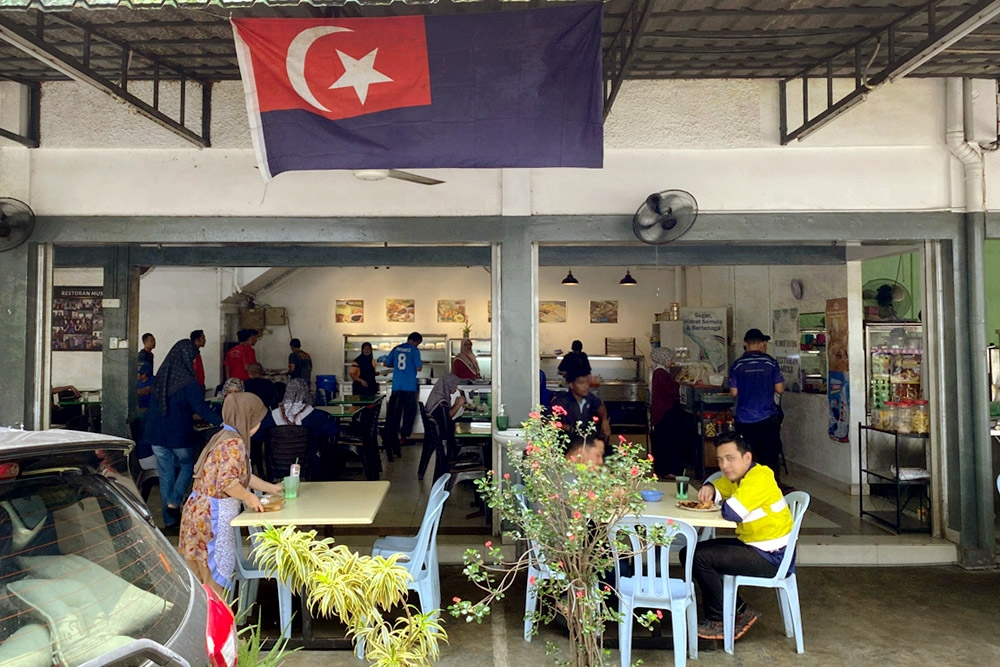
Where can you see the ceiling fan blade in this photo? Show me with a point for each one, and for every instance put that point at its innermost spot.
(412, 178)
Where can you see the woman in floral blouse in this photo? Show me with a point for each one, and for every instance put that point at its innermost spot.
(222, 483)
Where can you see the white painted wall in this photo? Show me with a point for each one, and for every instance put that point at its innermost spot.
(175, 301)
(717, 139)
(80, 369)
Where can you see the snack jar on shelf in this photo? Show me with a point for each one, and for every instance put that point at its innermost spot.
(904, 417)
(920, 417)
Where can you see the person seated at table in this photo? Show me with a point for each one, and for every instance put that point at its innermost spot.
(260, 385)
(363, 373)
(446, 403)
(230, 386)
(586, 450)
(580, 406)
(465, 365)
(295, 430)
(750, 496)
(64, 414)
(222, 484)
(176, 400)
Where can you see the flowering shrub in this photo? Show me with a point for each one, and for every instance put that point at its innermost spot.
(563, 510)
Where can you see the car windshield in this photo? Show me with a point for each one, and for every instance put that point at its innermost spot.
(81, 572)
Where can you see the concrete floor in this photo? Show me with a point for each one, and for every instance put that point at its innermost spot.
(938, 615)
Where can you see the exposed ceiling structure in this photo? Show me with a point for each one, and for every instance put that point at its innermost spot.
(805, 44)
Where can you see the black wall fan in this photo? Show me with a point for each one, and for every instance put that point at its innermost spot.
(665, 216)
(885, 300)
(17, 221)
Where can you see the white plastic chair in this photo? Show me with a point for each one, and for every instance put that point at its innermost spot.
(652, 587)
(537, 571)
(247, 576)
(422, 553)
(392, 544)
(785, 583)
(708, 532)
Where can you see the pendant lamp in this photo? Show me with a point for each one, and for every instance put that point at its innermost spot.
(569, 279)
(628, 280)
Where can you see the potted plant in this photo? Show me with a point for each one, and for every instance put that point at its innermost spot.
(565, 509)
(467, 329)
(359, 590)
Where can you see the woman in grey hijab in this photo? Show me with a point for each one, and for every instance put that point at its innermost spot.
(311, 431)
(444, 405)
(673, 432)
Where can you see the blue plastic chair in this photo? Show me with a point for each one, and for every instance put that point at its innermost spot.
(785, 583)
(652, 587)
(247, 577)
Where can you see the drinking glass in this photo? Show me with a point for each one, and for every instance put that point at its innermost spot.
(682, 487)
(291, 487)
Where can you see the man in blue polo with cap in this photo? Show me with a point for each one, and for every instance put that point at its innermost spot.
(754, 379)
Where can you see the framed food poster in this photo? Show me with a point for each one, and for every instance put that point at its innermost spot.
(604, 312)
(350, 311)
(489, 310)
(451, 310)
(399, 310)
(77, 319)
(551, 311)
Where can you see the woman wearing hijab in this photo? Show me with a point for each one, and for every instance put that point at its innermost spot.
(670, 433)
(363, 373)
(175, 400)
(222, 484)
(444, 404)
(294, 429)
(465, 365)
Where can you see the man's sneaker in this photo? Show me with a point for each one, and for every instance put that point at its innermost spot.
(744, 620)
(710, 629)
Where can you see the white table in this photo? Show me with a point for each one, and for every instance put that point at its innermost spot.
(667, 507)
(322, 504)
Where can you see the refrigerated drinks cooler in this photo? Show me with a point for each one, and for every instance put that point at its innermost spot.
(894, 363)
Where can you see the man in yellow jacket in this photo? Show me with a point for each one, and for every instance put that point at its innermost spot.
(750, 497)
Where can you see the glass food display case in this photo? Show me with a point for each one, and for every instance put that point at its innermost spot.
(433, 352)
(481, 347)
(894, 361)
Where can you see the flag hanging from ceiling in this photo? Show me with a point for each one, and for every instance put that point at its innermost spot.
(505, 89)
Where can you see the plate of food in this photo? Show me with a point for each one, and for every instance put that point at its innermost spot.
(695, 506)
(272, 502)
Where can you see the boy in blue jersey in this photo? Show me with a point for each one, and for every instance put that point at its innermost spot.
(754, 379)
(750, 497)
(405, 361)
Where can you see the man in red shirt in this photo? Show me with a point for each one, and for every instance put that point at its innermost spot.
(198, 338)
(242, 355)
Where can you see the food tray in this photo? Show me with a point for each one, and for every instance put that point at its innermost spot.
(683, 504)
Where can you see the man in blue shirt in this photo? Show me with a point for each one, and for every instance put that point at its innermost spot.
(405, 361)
(754, 379)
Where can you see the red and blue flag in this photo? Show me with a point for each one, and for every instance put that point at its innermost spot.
(506, 89)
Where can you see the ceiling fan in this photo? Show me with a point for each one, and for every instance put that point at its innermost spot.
(382, 174)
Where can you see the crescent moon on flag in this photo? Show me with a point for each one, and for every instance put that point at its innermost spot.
(295, 61)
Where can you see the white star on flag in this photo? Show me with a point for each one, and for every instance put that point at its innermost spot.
(359, 74)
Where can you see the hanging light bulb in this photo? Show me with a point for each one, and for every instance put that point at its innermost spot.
(628, 280)
(569, 279)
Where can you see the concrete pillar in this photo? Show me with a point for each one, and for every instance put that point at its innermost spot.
(515, 324)
(118, 367)
(23, 287)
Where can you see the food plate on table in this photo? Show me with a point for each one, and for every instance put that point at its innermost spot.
(695, 506)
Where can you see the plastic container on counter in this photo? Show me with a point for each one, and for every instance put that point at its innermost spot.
(920, 417)
(904, 417)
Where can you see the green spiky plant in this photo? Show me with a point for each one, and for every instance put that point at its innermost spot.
(359, 590)
(566, 509)
(251, 649)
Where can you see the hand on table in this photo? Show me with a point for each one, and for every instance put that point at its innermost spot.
(275, 488)
(706, 494)
(253, 502)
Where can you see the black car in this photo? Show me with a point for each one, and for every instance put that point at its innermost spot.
(85, 576)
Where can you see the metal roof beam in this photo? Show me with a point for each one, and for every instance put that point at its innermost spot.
(35, 45)
(896, 65)
(621, 51)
